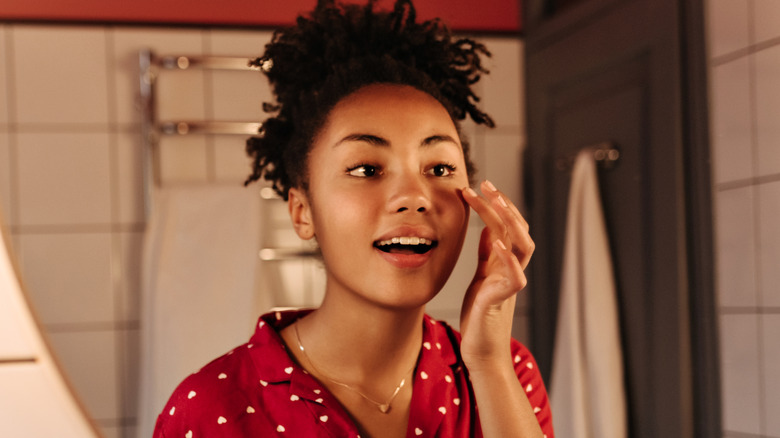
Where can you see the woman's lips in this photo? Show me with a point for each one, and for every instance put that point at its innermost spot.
(406, 259)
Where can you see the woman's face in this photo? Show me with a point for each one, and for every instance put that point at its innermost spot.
(385, 173)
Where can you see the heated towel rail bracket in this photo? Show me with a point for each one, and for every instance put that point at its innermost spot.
(151, 65)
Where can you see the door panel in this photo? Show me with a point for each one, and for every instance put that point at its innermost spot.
(613, 71)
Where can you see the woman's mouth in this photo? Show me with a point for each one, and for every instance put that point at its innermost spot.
(405, 245)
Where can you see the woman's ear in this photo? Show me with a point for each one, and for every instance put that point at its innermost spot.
(300, 213)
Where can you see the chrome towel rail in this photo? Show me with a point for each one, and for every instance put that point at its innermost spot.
(605, 153)
(209, 127)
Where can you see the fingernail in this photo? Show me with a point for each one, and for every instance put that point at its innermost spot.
(501, 244)
(502, 202)
(490, 186)
(470, 192)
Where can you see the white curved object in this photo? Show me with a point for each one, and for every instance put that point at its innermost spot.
(35, 398)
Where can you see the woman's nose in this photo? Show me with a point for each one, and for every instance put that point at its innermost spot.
(409, 194)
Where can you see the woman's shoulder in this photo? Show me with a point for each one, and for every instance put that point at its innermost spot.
(217, 383)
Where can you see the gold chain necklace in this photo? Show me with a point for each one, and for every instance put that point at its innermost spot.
(383, 407)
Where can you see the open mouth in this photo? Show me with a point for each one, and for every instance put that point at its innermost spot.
(406, 245)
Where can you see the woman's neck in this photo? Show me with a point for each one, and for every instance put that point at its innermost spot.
(362, 340)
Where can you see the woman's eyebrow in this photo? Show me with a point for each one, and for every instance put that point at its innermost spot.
(375, 140)
(434, 139)
(365, 138)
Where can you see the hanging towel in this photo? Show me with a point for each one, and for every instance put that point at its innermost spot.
(198, 300)
(587, 392)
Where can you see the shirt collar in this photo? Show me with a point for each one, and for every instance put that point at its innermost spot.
(274, 364)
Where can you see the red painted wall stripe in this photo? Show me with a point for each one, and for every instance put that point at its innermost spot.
(463, 15)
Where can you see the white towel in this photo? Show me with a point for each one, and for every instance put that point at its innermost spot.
(587, 391)
(199, 272)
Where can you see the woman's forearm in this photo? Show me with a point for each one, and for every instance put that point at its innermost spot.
(504, 409)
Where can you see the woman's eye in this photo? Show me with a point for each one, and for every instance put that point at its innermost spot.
(441, 170)
(363, 171)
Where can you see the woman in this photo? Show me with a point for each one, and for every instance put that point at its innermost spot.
(364, 145)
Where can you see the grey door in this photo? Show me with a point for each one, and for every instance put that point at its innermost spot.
(630, 72)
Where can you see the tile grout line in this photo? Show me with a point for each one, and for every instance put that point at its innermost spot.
(755, 192)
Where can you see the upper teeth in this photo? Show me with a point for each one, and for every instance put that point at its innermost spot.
(406, 241)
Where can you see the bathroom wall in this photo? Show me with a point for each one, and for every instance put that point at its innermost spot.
(744, 45)
(71, 181)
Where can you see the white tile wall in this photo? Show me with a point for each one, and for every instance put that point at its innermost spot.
(127, 42)
(71, 172)
(740, 371)
(728, 26)
(735, 248)
(65, 178)
(745, 63)
(501, 89)
(231, 164)
(769, 247)
(183, 159)
(69, 276)
(767, 83)
(60, 74)
(501, 163)
(732, 122)
(767, 15)
(771, 369)
(5, 180)
(93, 372)
(4, 103)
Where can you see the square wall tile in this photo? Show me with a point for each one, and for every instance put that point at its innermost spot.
(503, 163)
(766, 15)
(247, 43)
(231, 162)
(68, 277)
(238, 96)
(731, 115)
(111, 431)
(727, 26)
(64, 179)
(4, 86)
(181, 95)
(183, 159)
(767, 83)
(502, 90)
(6, 212)
(771, 373)
(60, 74)
(450, 299)
(130, 177)
(127, 43)
(285, 282)
(769, 245)
(735, 248)
(89, 362)
(740, 373)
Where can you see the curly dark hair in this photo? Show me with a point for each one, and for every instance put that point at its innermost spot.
(341, 48)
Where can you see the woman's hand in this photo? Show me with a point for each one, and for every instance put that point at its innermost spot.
(505, 249)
